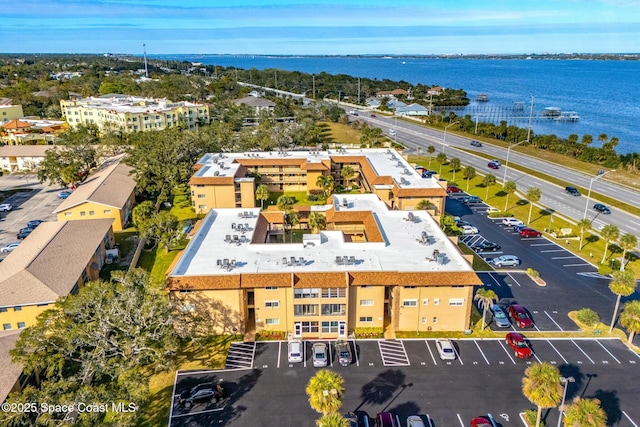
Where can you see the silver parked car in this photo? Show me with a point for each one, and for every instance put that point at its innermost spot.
(445, 349)
(319, 351)
(500, 317)
(505, 261)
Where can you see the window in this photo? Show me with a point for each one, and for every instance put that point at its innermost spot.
(17, 308)
(107, 211)
(68, 213)
(306, 293)
(3, 309)
(456, 302)
(83, 213)
(202, 207)
(409, 302)
(272, 321)
(425, 301)
(410, 287)
(366, 302)
(329, 327)
(309, 326)
(271, 288)
(272, 304)
(6, 326)
(22, 325)
(366, 319)
(201, 196)
(188, 308)
(436, 301)
(91, 213)
(305, 309)
(334, 293)
(334, 309)
(435, 320)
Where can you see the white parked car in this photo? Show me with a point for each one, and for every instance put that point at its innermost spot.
(415, 421)
(445, 349)
(469, 229)
(294, 351)
(10, 247)
(510, 222)
(5, 207)
(319, 354)
(491, 210)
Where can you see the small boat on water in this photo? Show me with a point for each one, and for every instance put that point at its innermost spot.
(482, 98)
(568, 116)
(552, 112)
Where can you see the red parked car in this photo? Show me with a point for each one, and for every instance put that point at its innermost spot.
(385, 419)
(519, 345)
(520, 316)
(453, 189)
(530, 232)
(483, 422)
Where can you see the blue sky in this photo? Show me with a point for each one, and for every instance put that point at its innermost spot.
(320, 26)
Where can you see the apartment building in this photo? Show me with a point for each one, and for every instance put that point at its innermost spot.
(373, 267)
(228, 180)
(133, 113)
(10, 112)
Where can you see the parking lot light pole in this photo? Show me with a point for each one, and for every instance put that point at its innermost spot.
(506, 163)
(600, 175)
(565, 382)
(444, 139)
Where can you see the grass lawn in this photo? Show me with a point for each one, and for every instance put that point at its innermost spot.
(343, 134)
(212, 356)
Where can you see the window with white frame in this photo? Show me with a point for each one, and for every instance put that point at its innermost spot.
(271, 288)
(334, 292)
(457, 302)
(436, 301)
(306, 293)
(309, 326)
(409, 303)
(272, 304)
(305, 309)
(330, 327)
(366, 302)
(366, 319)
(272, 321)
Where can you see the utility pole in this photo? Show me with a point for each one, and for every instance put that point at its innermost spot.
(276, 74)
(313, 79)
(358, 90)
(144, 50)
(530, 119)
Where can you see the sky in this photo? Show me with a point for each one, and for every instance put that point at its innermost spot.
(320, 27)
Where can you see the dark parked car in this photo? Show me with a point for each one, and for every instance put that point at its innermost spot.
(476, 143)
(520, 316)
(343, 349)
(572, 190)
(23, 233)
(34, 223)
(200, 393)
(64, 194)
(530, 232)
(471, 199)
(486, 246)
(599, 207)
(493, 165)
(519, 345)
(385, 419)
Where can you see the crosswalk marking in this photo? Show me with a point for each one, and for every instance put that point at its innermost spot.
(393, 353)
(240, 355)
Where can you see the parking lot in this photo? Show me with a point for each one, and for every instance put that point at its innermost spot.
(407, 377)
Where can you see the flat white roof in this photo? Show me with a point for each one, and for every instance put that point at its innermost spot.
(131, 104)
(384, 161)
(403, 249)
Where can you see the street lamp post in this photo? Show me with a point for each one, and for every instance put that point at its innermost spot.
(444, 139)
(600, 175)
(506, 163)
(565, 382)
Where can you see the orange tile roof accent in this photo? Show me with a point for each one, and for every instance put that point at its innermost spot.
(231, 281)
(320, 280)
(365, 217)
(314, 166)
(211, 180)
(260, 232)
(414, 279)
(263, 280)
(273, 217)
(420, 192)
(16, 125)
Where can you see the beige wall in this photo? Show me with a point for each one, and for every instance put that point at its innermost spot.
(360, 298)
(247, 194)
(438, 308)
(10, 112)
(90, 210)
(212, 196)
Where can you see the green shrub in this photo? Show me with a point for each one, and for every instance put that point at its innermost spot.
(500, 214)
(270, 335)
(604, 269)
(369, 332)
(588, 317)
(533, 273)
(530, 417)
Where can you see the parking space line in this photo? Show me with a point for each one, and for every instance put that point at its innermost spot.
(330, 354)
(543, 244)
(554, 322)
(586, 355)
(279, 354)
(480, 350)
(430, 352)
(355, 352)
(537, 358)
(457, 354)
(505, 350)
(564, 257)
(514, 279)
(605, 349)
(494, 279)
(629, 418)
(552, 250)
(188, 414)
(576, 265)
(460, 419)
(559, 354)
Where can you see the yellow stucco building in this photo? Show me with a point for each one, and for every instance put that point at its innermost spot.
(133, 113)
(108, 193)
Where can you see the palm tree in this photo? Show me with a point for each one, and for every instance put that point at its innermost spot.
(627, 242)
(509, 187)
(584, 225)
(585, 413)
(347, 173)
(442, 159)
(488, 181)
(425, 204)
(455, 165)
(533, 196)
(609, 233)
(317, 221)
(285, 203)
(623, 284)
(431, 149)
(262, 194)
(468, 174)
(291, 219)
(485, 298)
(333, 420)
(325, 390)
(326, 183)
(630, 318)
(541, 385)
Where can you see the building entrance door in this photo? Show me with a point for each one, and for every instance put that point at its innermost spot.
(297, 329)
(342, 328)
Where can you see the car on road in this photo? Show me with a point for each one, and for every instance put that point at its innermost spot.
(471, 200)
(487, 421)
(491, 210)
(427, 173)
(520, 316)
(519, 227)
(493, 165)
(519, 345)
(23, 233)
(500, 317)
(486, 246)
(5, 207)
(505, 261)
(294, 351)
(453, 189)
(353, 419)
(10, 247)
(34, 223)
(476, 143)
(530, 232)
(572, 190)
(496, 161)
(319, 351)
(445, 349)
(199, 393)
(392, 131)
(343, 350)
(511, 222)
(603, 209)
(469, 229)
(373, 115)
(415, 421)
(64, 194)
(385, 419)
